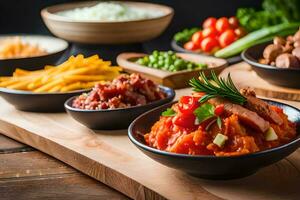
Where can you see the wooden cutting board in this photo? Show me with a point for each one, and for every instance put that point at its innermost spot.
(243, 76)
(109, 157)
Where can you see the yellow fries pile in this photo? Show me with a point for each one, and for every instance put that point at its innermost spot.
(15, 48)
(74, 74)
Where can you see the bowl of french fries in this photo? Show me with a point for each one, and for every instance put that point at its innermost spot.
(30, 52)
(47, 89)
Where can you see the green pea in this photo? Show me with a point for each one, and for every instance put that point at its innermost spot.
(140, 61)
(160, 63)
(146, 59)
(171, 53)
(190, 66)
(155, 65)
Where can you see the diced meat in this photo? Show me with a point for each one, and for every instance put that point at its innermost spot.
(263, 109)
(124, 91)
(296, 52)
(296, 36)
(246, 116)
(260, 107)
(287, 60)
(297, 43)
(279, 41)
(272, 51)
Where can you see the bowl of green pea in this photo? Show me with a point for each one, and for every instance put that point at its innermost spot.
(169, 61)
(169, 68)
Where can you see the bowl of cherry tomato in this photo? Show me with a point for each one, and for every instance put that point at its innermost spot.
(215, 34)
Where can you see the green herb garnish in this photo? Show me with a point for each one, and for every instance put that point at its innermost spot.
(219, 122)
(185, 35)
(218, 87)
(168, 113)
(220, 140)
(204, 112)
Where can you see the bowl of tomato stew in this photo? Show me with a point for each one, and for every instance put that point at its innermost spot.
(218, 139)
(114, 105)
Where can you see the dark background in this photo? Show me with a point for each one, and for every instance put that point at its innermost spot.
(23, 16)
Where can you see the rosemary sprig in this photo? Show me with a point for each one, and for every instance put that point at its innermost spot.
(218, 87)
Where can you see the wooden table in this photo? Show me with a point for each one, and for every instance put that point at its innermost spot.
(26, 173)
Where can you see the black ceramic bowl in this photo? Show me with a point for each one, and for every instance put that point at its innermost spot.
(212, 167)
(274, 75)
(37, 102)
(54, 46)
(116, 118)
(179, 47)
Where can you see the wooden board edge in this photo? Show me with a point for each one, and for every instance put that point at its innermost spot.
(103, 174)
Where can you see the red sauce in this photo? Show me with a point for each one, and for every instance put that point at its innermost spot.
(187, 138)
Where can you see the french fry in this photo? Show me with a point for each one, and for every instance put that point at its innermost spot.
(19, 85)
(4, 78)
(74, 74)
(71, 87)
(48, 86)
(85, 77)
(56, 88)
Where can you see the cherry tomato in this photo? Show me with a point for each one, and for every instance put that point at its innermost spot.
(222, 24)
(240, 32)
(187, 104)
(197, 38)
(209, 22)
(209, 43)
(233, 22)
(191, 46)
(209, 32)
(227, 38)
(219, 110)
(186, 121)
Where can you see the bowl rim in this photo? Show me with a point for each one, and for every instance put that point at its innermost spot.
(168, 99)
(35, 35)
(254, 63)
(29, 93)
(178, 155)
(45, 13)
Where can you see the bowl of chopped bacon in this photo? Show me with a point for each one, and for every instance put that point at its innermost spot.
(218, 132)
(115, 104)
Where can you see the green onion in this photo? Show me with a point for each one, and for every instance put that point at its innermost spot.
(220, 140)
(270, 135)
(255, 38)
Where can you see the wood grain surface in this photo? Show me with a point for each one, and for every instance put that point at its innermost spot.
(109, 157)
(26, 173)
(243, 76)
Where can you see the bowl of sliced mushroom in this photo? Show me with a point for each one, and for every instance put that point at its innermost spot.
(278, 61)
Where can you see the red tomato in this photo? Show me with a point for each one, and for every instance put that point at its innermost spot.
(191, 46)
(209, 22)
(186, 121)
(209, 32)
(222, 24)
(233, 22)
(208, 44)
(187, 104)
(219, 110)
(197, 38)
(227, 38)
(240, 32)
